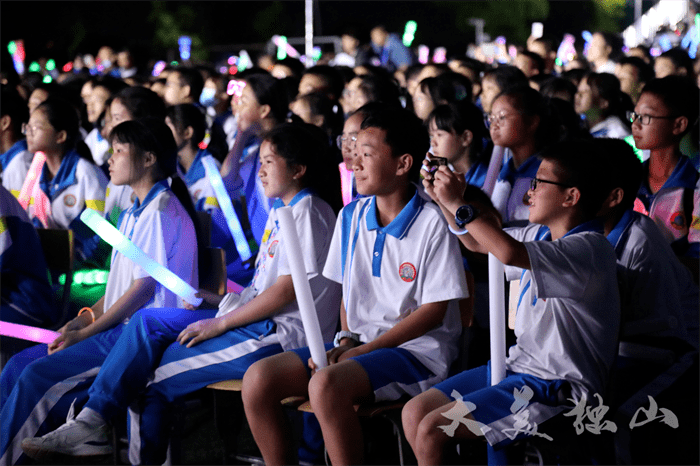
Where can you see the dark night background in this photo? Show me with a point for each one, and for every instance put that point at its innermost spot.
(61, 30)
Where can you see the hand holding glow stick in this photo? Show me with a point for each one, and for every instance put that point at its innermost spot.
(227, 207)
(497, 320)
(302, 288)
(25, 332)
(122, 244)
(32, 178)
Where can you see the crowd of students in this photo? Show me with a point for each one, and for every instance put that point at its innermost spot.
(399, 182)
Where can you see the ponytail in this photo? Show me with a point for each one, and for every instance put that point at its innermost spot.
(179, 188)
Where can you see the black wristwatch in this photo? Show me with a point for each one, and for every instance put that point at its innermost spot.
(465, 214)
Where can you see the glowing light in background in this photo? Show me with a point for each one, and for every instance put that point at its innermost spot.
(34, 67)
(440, 55)
(409, 33)
(281, 43)
(50, 65)
(423, 54)
(185, 44)
(121, 243)
(158, 68)
(227, 207)
(25, 194)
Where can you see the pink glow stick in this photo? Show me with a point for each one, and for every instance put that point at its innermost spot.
(33, 175)
(345, 183)
(25, 332)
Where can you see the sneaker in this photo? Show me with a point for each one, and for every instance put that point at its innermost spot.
(74, 438)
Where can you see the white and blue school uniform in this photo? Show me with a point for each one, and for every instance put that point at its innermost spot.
(568, 301)
(77, 185)
(184, 370)
(387, 273)
(510, 192)
(477, 174)
(118, 199)
(99, 147)
(672, 207)
(612, 127)
(198, 184)
(14, 165)
(655, 288)
(26, 293)
(37, 390)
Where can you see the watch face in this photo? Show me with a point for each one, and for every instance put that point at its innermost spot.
(464, 215)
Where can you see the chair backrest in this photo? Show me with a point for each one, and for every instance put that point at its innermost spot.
(212, 270)
(205, 225)
(59, 249)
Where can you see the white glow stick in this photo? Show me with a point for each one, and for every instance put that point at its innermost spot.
(494, 169)
(227, 207)
(302, 288)
(122, 244)
(33, 175)
(25, 332)
(497, 320)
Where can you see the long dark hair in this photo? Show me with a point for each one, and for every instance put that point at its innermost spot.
(460, 116)
(608, 87)
(269, 90)
(307, 145)
(187, 115)
(153, 135)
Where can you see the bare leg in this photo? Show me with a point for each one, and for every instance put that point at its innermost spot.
(419, 407)
(265, 384)
(333, 392)
(429, 442)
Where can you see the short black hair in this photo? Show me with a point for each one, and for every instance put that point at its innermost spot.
(622, 169)
(193, 78)
(645, 72)
(13, 105)
(405, 133)
(141, 102)
(576, 164)
(333, 79)
(680, 95)
(536, 58)
(506, 76)
(680, 59)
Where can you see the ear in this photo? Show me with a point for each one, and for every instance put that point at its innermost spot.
(149, 159)
(604, 103)
(466, 138)
(188, 133)
(186, 91)
(299, 172)
(534, 122)
(61, 137)
(680, 124)
(573, 197)
(318, 120)
(613, 200)
(404, 164)
(265, 111)
(5, 121)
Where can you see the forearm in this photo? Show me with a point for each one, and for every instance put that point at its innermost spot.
(139, 293)
(493, 239)
(416, 324)
(264, 305)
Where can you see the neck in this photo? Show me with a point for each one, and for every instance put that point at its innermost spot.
(611, 220)
(186, 157)
(564, 225)
(142, 187)
(289, 195)
(662, 162)
(599, 63)
(53, 161)
(594, 117)
(522, 153)
(462, 164)
(390, 205)
(266, 124)
(6, 141)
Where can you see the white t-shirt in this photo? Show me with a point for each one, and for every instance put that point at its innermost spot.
(389, 272)
(568, 313)
(314, 219)
(99, 147)
(117, 200)
(162, 229)
(654, 285)
(14, 165)
(510, 191)
(611, 127)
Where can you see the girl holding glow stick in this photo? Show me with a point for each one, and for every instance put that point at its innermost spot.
(37, 389)
(263, 320)
(69, 181)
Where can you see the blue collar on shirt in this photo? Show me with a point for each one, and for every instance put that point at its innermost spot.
(595, 225)
(298, 197)
(683, 176)
(614, 237)
(196, 171)
(64, 178)
(477, 174)
(16, 148)
(138, 206)
(398, 228)
(527, 170)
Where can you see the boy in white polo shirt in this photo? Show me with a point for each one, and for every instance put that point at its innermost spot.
(402, 276)
(568, 312)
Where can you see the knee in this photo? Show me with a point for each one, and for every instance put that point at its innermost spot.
(411, 415)
(325, 388)
(257, 383)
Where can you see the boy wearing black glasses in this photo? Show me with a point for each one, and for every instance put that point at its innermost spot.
(568, 312)
(667, 109)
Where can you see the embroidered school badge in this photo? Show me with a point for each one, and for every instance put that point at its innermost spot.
(272, 248)
(69, 200)
(407, 272)
(678, 220)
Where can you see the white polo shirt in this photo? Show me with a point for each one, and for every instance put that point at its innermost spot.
(314, 219)
(510, 192)
(654, 285)
(117, 200)
(14, 165)
(163, 230)
(388, 272)
(568, 313)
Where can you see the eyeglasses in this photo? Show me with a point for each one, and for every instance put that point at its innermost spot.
(645, 119)
(340, 140)
(490, 118)
(534, 181)
(30, 129)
